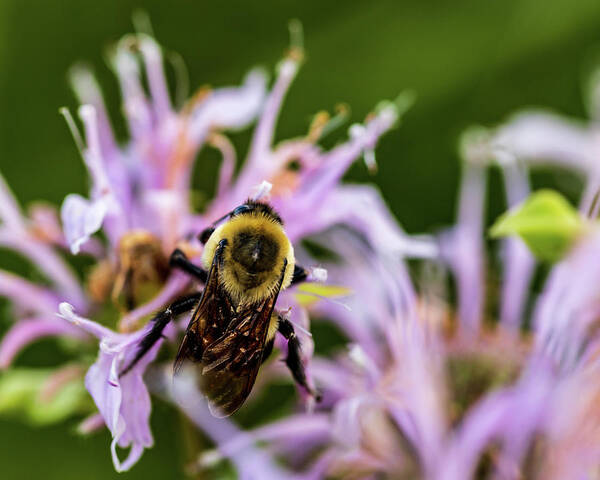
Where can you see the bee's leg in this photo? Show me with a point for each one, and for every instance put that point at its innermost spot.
(293, 360)
(180, 260)
(159, 322)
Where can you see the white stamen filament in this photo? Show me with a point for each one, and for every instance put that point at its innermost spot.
(262, 190)
(64, 111)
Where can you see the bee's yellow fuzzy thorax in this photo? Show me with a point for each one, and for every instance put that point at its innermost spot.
(253, 258)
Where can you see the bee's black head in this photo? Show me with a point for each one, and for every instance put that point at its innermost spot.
(247, 208)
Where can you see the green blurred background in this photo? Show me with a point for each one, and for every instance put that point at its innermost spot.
(470, 61)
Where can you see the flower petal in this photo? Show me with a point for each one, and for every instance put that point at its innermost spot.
(81, 219)
(518, 260)
(135, 103)
(88, 92)
(123, 401)
(10, 213)
(229, 107)
(66, 311)
(27, 295)
(462, 247)
(265, 130)
(156, 77)
(542, 138)
(48, 261)
(27, 331)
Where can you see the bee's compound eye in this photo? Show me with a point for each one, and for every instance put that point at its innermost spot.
(239, 210)
(205, 235)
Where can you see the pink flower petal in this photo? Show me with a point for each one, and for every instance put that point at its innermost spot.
(28, 331)
(229, 107)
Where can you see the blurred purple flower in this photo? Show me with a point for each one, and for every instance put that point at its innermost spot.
(33, 238)
(392, 405)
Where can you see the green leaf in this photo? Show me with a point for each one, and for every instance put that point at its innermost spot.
(546, 222)
(22, 393)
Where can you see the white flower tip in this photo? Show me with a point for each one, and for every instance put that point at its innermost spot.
(86, 112)
(262, 190)
(356, 130)
(210, 458)
(124, 61)
(67, 312)
(391, 111)
(389, 114)
(318, 274)
(256, 78)
(357, 355)
(475, 146)
(288, 67)
(76, 245)
(370, 161)
(83, 82)
(149, 47)
(503, 157)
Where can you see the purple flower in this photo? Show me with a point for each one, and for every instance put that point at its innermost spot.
(393, 400)
(141, 190)
(124, 403)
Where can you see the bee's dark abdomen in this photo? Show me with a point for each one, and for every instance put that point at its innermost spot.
(255, 252)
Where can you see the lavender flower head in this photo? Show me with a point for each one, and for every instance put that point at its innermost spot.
(139, 199)
(419, 388)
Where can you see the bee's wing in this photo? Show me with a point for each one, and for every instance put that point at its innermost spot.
(230, 364)
(211, 317)
(225, 346)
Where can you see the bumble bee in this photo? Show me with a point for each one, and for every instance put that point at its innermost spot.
(140, 268)
(247, 260)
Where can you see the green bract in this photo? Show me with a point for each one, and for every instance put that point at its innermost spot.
(22, 392)
(546, 222)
